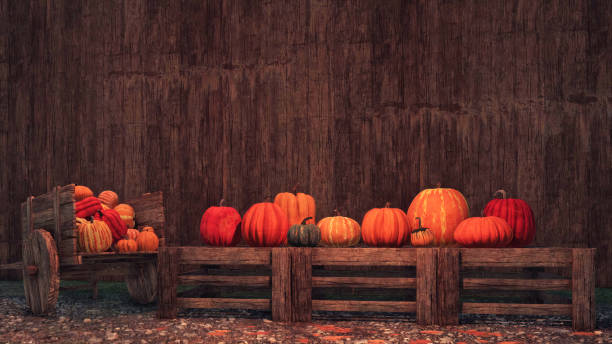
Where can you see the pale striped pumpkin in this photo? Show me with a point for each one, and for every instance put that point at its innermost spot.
(94, 236)
(339, 231)
(110, 198)
(440, 210)
(127, 214)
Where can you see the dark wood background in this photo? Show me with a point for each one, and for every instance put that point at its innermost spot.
(361, 102)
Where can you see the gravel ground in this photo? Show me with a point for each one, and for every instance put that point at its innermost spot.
(113, 318)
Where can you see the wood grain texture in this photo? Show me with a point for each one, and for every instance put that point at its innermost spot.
(426, 286)
(516, 257)
(281, 302)
(516, 308)
(364, 282)
(224, 303)
(516, 284)
(363, 256)
(364, 306)
(301, 284)
(167, 277)
(226, 281)
(363, 102)
(583, 290)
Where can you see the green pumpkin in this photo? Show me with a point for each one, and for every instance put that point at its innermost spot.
(305, 235)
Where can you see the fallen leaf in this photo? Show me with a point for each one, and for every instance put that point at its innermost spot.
(509, 343)
(583, 334)
(335, 338)
(332, 328)
(302, 340)
(420, 341)
(218, 333)
(482, 334)
(433, 332)
(376, 341)
(258, 333)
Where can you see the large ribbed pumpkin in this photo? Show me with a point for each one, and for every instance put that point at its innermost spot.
(219, 226)
(109, 198)
(490, 231)
(93, 236)
(297, 206)
(339, 231)
(114, 222)
(265, 224)
(127, 214)
(81, 192)
(385, 227)
(517, 213)
(440, 210)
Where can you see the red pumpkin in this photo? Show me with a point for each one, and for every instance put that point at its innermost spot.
(265, 224)
(490, 231)
(219, 226)
(385, 227)
(87, 207)
(114, 222)
(517, 213)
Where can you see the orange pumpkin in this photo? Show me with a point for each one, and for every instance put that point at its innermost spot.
(147, 240)
(132, 233)
(127, 214)
(490, 231)
(421, 237)
(265, 224)
(93, 236)
(126, 245)
(109, 198)
(385, 227)
(81, 192)
(339, 231)
(441, 210)
(297, 206)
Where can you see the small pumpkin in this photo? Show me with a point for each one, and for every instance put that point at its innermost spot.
(296, 206)
(421, 237)
(110, 198)
(441, 210)
(265, 224)
(490, 231)
(304, 234)
(132, 233)
(339, 231)
(87, 207)
(127, 214)
(219, 226)
(81, 192)
(385, 227)
(147, 240)
(93, 236)
(517, 213)
(114, 222)
(126, 245)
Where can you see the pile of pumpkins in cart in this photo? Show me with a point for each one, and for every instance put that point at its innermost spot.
(435, 217)
(102, 224)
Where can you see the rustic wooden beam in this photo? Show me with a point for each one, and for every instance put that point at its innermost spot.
(366, 256)
(516, 284)
(281, 284)
(224, 303)
(516, 308)
(364, 282)
(301, 284)
(364, 306)
(225, 255)
(167, 274)
(426, 297)
(225, 281)
(583, 289)
(447, 287)
(516, 257)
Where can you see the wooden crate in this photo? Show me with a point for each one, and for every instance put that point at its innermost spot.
(438, 280)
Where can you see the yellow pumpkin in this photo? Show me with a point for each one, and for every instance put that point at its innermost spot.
(94, 236)
(339, 231)
(147, 240)
(127, 214)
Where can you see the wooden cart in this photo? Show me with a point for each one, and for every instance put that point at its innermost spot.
(50, 250)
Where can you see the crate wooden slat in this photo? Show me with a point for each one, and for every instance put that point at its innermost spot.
(224, 255)
(364, 306)
(516, 257)
(363, 256)
(516, 308)
(583, 289)
(516, 284)
(364, 282)
(216, 280)
(224, 303)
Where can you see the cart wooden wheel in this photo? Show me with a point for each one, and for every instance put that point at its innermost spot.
(142, 282)
(40, 272)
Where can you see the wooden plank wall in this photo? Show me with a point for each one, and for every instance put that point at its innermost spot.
(362, 102)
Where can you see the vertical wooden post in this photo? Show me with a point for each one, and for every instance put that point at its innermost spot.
(426, 298)
(281, 284)
(301, 283)
(583, 289)
(57, 217)
(167, 274)
(447, 287)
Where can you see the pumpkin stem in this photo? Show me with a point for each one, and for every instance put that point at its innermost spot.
(500, 191)
(306, 219)
(421, 228)
(387, 205)
(221, 202)
(438, 185)
(295, 187)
